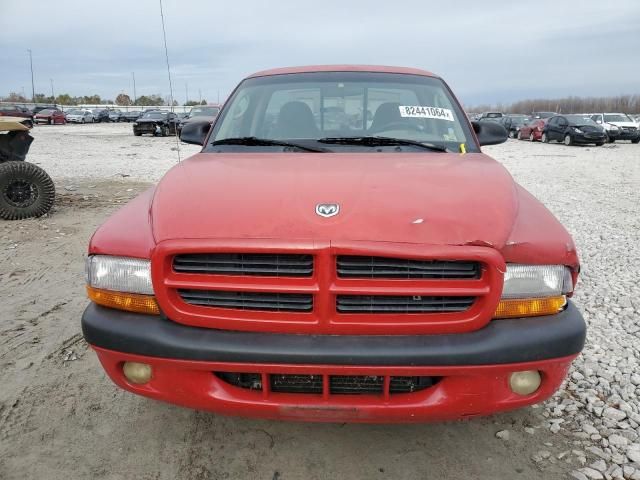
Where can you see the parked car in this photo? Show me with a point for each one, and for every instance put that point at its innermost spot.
(493, 116)
(619, 126)
(381, 274)
(17, 111)
(131, 116)
(50, 116)
(200, 112)
(543, 115)
(156, 123)
(38, 108)
(513, 123)
(573, 129)
(79, 115)
(114, 115)
(100, 115)
(532, 131)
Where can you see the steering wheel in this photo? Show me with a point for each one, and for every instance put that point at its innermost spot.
(398, 126)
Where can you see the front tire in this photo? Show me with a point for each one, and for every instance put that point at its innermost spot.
(26, 190)
(568, 141)
(637, 140)
(519, 136)
(532, 138)
(545, 139)
(599, 144)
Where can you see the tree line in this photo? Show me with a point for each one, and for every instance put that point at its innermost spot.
(618, 104)
(122, 99)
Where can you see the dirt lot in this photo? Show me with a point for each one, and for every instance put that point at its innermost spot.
(61, 417)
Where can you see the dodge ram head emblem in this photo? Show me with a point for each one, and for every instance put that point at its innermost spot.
(327, 209)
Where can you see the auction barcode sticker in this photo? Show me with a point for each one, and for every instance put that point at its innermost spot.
(417, 111)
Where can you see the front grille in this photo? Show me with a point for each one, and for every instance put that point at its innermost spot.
(338, 384)
(629, 129)
(254, 264)
(272, 302)
(352, 266)
(401, 304)
(296, 383)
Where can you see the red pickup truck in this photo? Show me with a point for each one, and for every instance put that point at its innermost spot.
(340, 250)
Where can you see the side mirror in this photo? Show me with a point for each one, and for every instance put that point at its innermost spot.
(195, 132)
(598, 121)
(490, 133)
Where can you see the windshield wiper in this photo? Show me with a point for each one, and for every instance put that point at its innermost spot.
(255, 141)
(381, 142)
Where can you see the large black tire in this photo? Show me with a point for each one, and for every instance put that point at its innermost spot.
(637, 140)
(26, 191)
(137, 134)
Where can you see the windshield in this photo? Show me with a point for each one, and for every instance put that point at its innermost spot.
(519, 119)
(617, 117)
(46, 112)
(76, 112)
(156, 115)
(580, 119)
(307, 107)
(204, 112)
(543, 114)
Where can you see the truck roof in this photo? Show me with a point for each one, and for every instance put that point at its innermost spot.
(342, 68)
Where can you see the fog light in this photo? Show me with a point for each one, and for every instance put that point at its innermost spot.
(525, 383)
(137, 372)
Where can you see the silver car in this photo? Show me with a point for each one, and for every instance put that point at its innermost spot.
(79, 115)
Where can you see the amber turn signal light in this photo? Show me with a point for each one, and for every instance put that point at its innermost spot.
(530, 307)
(131, 302)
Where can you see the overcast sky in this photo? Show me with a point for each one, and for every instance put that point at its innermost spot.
(488, 51)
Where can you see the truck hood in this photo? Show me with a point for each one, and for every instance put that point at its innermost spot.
(427, 198)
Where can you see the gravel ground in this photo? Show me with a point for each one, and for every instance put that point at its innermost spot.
(60, 417)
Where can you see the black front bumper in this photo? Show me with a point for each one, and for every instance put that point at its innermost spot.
(589, 138)
(500, 342)
(628, 135)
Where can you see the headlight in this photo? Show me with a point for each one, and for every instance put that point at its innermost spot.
(577, 130)
(532, 290)
(121, 282)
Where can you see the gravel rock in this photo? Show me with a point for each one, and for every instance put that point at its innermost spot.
(503, 435)
(599, 465)
(614, 414)
(591, 473)
(633, 455)
(618, 441)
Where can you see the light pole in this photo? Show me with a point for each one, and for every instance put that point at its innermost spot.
(200, 95)
(133, 74)
(186, 89)
(52, 94)
(33, 88)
